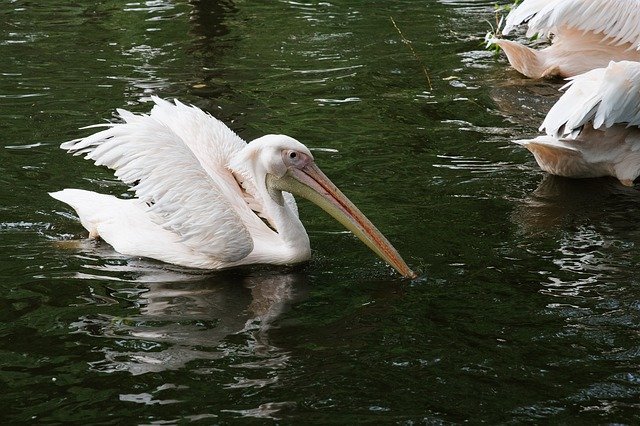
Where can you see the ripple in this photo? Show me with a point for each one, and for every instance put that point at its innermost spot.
(149, 6)
(327, 70)
(264, 411)
(24, 95)
(324, 101)
(473, 164)
(466, 126)
(146, 399)
(27, 146)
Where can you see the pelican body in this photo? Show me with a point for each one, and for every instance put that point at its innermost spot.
(593, 130)
(585, 34)
(204, 198)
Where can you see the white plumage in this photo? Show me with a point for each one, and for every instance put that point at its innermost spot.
(603, 96)
(204, 198)
(594, 128)
(585, 34)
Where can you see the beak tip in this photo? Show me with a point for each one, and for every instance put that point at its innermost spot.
(409, 274)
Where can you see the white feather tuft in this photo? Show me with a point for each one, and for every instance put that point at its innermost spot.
(603, 96)
(617, 20)
(176, 158)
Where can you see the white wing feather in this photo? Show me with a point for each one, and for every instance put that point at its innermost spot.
(617, 20)
(198, 129)
(174, 171)
(604, 96)
(525, 11)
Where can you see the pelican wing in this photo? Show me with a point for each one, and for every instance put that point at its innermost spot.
(617, 20)
(214, 145)
(170, 168)
(603, 96)
(525, 11)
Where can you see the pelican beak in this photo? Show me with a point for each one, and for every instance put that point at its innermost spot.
(311, 183)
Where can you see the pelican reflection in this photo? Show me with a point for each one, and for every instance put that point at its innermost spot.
(588, 222)
(558, 199)
(190, 316)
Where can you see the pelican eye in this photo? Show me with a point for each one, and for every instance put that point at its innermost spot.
(293, 158)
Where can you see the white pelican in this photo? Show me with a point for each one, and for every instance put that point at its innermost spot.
(204, 197)
(593, 130)
(586, 34)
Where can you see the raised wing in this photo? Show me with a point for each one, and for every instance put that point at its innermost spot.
(603, 96)
(210, 140)
(617, 20)
(170, 171)
(525, 11)
(214, 145)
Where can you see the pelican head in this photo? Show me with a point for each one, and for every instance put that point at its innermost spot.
(287, 165)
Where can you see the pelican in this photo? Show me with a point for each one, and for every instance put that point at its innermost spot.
(204, 198)
(593, 130)
(585, 34)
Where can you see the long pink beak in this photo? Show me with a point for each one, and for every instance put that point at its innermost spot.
(311, 183)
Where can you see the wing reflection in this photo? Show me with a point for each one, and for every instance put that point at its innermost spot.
(187, 316)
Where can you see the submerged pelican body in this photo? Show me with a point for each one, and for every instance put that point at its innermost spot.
(204, 198)
(585, 34)
(594, 128)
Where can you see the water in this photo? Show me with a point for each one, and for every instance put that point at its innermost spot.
(527, 309)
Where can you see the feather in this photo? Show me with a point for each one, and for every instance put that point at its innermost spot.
(179, 173)
(617, 20)
(603, 96)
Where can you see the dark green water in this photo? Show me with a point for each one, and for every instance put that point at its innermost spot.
(529, 305)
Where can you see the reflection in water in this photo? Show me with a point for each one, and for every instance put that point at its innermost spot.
(144, 58)
(209, 23)
(186, 315)
(561, 289)
(581, 262)
(558, 199)
(586, 279)
(588, 252)
(524, 102)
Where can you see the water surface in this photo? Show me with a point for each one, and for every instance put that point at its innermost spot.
(527, 309)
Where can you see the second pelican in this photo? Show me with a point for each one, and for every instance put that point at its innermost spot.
(585, 34)
(593, 130)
